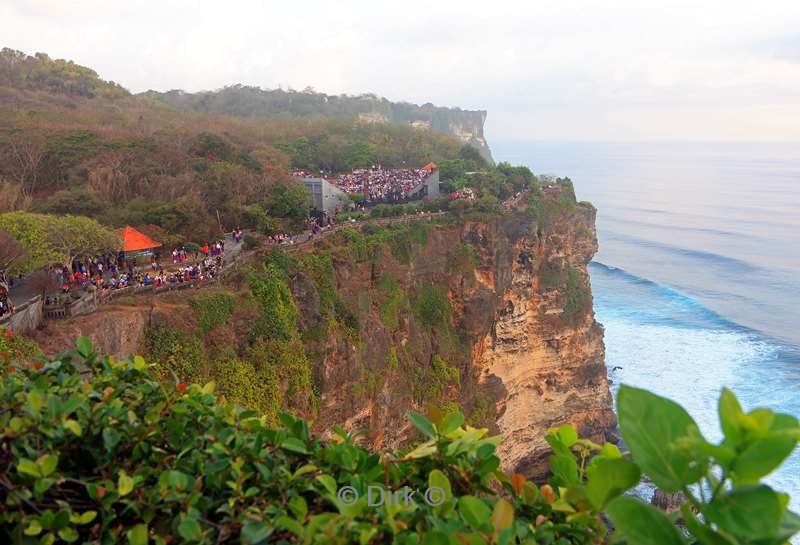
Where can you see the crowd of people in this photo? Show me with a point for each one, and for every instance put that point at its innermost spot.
(376, 183)
(217, 248)
(110, 272)
(379, 184)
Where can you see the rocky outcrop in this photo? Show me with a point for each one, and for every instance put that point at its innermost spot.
(522, 335)
(543, 355)
(116, 330)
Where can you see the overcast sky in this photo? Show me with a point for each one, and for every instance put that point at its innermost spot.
(545, 70)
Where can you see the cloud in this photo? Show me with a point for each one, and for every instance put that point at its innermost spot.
(573, 70)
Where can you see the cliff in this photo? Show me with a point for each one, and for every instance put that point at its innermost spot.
(247, 101)
(490, 314)
(521, 334)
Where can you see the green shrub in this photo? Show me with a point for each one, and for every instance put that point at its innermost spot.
(212, 310)
(13, 346)
(174, 351)
(278, 311)
(283, 363)
(192, 247)
(94, 450)
(249, 242)
(430, 383)
(393, 304)
(282, 261)
(240, 384)
(577, 295)
(320, 268)
(725, 502)
(432, 307)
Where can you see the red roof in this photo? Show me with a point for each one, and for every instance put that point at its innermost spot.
(430, 167)
(133, 240)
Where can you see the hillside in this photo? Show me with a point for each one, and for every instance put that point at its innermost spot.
(247, 101)
(72, 143)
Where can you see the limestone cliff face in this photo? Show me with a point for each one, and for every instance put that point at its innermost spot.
(522, 336)
(543, 358)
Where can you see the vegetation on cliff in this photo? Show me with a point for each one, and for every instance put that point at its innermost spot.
(95, 450)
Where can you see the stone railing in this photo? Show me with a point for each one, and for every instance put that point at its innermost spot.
(26, 317)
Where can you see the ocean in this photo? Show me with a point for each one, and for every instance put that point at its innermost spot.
(697, 280)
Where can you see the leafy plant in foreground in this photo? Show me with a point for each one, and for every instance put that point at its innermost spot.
(726, 502)
(95, 450)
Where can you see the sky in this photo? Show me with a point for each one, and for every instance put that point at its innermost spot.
(625, 70)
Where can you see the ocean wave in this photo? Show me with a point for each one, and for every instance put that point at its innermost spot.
(730, 264)
(649, 345)
(671, 306)
(683, 228)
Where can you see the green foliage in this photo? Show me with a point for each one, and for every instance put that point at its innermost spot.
(482, 413)
(239, 383)
(212, 146)
(257, 218)
(320, 268)
(281, 261)
(289, 200)
(40, 72)
(212, 310)
(285, 362)
(96, 450)
(50, 239)
(395, 301)
(432, 307)
(173, 351)
(112, 455)
(18, 347)
(77, 202)
(734, 506)
(430, 383)
(278, 311)
(577, 296)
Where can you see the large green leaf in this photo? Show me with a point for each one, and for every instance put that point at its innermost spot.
(421, 423)
(702, 533)
(730, 413)
(642, 524)
(295, 445)
(610, 478)
(762, 457)
(653, 428)
(748, 513)
(473, 511)
(137, 535)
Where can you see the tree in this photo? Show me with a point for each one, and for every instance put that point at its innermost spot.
(74, 236)
(25, 154)
(56, 239)
(11, 251)
(289, 200)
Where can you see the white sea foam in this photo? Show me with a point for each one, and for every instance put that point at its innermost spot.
(690, 364)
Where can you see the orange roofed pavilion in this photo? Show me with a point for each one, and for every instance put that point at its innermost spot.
(133, 240)
(430, 167)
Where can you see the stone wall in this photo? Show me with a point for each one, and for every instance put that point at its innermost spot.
(26, 317)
